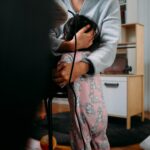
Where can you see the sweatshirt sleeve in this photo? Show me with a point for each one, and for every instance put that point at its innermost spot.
(104, 56)
(55, 41)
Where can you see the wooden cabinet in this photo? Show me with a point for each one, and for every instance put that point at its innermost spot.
(115, 95)
(123, 96)
(132, 45)
(124, 93)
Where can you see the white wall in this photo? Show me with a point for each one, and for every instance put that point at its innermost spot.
(132, 11)
(144, 18)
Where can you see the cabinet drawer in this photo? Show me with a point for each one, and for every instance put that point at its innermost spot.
(115, 95)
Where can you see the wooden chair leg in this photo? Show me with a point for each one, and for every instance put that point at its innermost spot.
(128, 122)
(48, 107)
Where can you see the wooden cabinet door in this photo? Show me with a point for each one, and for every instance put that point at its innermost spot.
(115, 95)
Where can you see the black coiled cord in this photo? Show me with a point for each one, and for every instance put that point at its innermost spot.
(71, 84)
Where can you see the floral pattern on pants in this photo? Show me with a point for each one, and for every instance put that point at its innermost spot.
(89, 118)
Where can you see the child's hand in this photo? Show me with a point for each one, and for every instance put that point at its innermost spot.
(63, 70)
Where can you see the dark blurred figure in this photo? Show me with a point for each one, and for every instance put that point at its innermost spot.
(25, 66)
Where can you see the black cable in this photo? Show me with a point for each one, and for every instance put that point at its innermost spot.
(70, 84)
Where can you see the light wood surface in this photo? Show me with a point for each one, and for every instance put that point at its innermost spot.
(131, 147)
(58, 108)
(135, 98)
(139, 49)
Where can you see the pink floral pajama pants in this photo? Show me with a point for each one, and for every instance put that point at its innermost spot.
(91, 117)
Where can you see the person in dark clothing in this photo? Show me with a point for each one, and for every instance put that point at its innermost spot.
(25, 65)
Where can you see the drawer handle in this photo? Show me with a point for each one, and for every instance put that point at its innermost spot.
(114, 85)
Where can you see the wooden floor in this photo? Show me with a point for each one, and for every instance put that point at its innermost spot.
(64, 107)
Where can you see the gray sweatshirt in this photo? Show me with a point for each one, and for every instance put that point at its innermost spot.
(106, 13)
